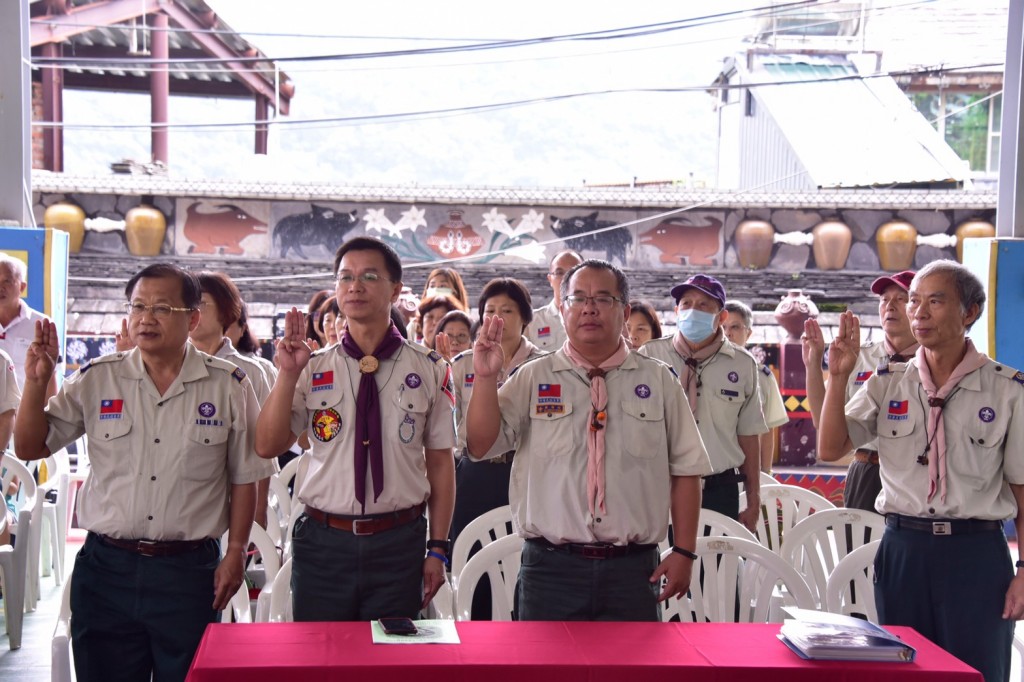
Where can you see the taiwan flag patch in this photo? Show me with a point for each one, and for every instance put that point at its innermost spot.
(544, 331)
(549, 393)
(468, 381)
(323, 381)
(862, 377)
(111, 409)
(898, 409)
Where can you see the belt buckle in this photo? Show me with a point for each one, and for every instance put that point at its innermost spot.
(594, 552)
(146, 547)
(942, 528)
(357, 523)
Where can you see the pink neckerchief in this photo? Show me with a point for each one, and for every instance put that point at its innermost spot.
(972, 361)
(901, 355)
(598, 416)
(518, 358)
(688, 377)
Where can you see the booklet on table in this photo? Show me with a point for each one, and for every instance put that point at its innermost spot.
(826, 636)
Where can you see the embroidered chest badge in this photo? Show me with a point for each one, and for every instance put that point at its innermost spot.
(544, 331)
(549, 393)
(322, 381)
(986, 414)
(326, 424)
(468, 381)
(206, 412)
(642, 391)
(413, 380)
(733, 377)
(111, 409)
(407, 429)
(898, 410)
(862, 377)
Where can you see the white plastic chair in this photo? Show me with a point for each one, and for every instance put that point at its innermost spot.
(484, 529)
(55, 514)
(768, 479)
(782, 507)
(61, 666)
(499, 561)
(281, 595)
(298, 509)
(291, 470)
(736, 580)
(16, 561)
(816, 545)
(279, 508)
(442, 606)
(850, 588)
(715, 524)
(241, 605)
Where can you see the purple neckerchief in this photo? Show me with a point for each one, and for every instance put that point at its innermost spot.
(368, 432)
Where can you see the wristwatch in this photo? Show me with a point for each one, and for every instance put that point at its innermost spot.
(443, 545)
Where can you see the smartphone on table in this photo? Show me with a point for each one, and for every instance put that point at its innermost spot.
(397, 626)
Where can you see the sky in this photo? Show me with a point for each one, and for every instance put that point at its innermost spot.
(596, 139)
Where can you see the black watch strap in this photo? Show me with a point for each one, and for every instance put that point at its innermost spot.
(442, 545)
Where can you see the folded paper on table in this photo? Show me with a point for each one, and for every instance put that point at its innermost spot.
(427, 632)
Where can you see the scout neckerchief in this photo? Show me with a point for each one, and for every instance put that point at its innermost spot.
(688, 377)
(902, 355)
(598, 416)
(518, 358)
(936, 401)
(368, 442)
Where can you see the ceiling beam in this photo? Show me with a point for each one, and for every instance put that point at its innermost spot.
(56, 28)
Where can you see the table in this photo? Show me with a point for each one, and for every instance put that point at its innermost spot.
(544, 652)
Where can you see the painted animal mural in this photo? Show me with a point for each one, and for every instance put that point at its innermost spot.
(613, 242)
(683, 243)
(322, 226)
(222, 231)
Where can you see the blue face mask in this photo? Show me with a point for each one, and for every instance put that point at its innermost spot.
(695, 325)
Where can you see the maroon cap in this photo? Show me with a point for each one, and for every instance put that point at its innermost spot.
(900, 279)
(702, 283)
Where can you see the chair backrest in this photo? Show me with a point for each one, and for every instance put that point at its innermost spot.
(60, 643)
(850, 588)
(736, 580)
(499, 561)
(442, 606)
(281, 595)
(296, 468)
(768, 479)
(816, 545)
(28, 501)
(270, 553)
(279, 506)
(481, 531)
(782, 507)
(715, 524)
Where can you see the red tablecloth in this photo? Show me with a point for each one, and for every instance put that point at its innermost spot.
(544, 652)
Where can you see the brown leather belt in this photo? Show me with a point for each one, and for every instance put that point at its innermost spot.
(366, 525)
(942, 526)
(154, 547)
(866, 456)
(595, 550)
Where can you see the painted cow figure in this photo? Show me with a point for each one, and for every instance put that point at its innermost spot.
(683, 243)
(613, 242)
(322, 226)
(222, 231)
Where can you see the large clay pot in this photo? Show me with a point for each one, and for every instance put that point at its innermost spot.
(754, 240)
(67, 218)
(144, 229)
(832, 240)
(969, 230)
(897, 244)
(791, 313)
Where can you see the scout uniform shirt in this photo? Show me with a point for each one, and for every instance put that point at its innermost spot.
(462, 372)
(417, 412)
(161, 464)
(650, 436)
(546, 331)
(16, 337)
(10, 394)
(771, 398)
(728, 399)
(254, 370)
(984, 428)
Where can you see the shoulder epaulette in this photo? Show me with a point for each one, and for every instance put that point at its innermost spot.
(1008, 372)
(227, 366)
(110, 357)
(321, 351)
(525, 362)
(883, 368)
(766, 370)
(463, 354)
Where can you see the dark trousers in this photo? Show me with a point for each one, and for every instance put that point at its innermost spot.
(134, 616)
(950, 589)
(863, 483)
(556, 585)
(722, 493)
(337, 575)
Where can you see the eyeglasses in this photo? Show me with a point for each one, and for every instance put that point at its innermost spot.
(602, 302)
(558, 273)
(459, 338)
(160, 311)
(365, 278)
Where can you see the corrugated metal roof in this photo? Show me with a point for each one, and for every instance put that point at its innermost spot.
(852, 133)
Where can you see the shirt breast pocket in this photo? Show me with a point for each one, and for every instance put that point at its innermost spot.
(643, 428)
(983, 456)
(551, 430)
(899, 443)
(323, 409)
(206, 456)
(109, 430)
(728, 401)
(411, 415)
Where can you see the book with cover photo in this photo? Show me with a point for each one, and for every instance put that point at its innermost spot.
(826, 636)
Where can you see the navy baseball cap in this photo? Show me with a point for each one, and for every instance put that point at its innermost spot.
(704, 284)
(900, 279)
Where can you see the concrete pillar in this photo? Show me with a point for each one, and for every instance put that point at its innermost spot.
(15, 114)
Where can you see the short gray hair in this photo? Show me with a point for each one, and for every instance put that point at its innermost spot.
(969, 288)
(16, 265)
(743, 310)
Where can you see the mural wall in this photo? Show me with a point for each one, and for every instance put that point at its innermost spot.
(634, 238)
